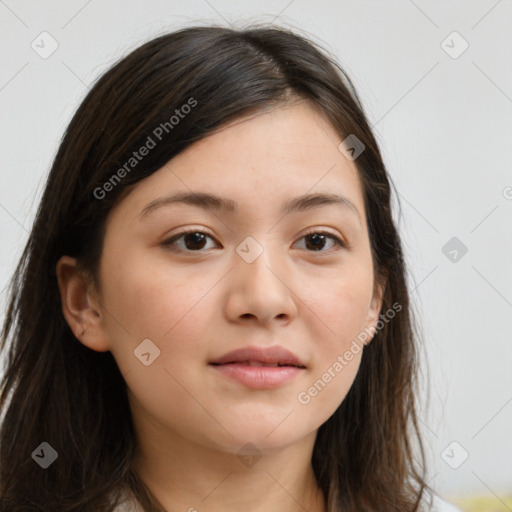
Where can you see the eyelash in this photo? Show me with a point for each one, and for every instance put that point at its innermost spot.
(169, 243)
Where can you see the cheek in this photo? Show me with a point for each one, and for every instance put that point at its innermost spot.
(341, 311)
(168, 306)
(336, 363)
(327, 389)
(173, 309)
(153, 300)
(341, 306)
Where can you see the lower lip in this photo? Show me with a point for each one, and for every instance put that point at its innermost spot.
(259, 377)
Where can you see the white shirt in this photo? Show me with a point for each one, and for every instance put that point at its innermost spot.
(439, 505)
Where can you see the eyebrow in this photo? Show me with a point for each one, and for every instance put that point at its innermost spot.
(209, 201)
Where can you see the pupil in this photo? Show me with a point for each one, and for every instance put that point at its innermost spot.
(317, 238)
(196, 238)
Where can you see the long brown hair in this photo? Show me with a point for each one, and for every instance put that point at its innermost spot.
(58, 391)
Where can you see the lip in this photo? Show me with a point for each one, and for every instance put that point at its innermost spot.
(235, 365)
(268, 355)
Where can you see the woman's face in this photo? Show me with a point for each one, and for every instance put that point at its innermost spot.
(254, 275)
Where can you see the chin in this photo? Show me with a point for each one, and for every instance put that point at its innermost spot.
(259, 439)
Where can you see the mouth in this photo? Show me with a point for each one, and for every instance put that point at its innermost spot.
(259, 364)
(259, 368)
(255, 375)
(259, 356)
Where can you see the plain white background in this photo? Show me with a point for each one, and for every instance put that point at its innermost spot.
(444, 124)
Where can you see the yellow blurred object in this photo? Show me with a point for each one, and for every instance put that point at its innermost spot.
(484, 504)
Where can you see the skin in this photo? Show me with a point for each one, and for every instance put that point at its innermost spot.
(197, 304)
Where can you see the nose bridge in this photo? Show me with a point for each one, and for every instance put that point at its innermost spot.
(258, 279)
(257, 258)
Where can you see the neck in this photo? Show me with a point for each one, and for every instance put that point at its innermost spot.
(186, 475)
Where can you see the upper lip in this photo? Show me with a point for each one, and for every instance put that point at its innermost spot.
(268, 355)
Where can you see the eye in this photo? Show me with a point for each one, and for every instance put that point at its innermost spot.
(318, 238)
(194, 240)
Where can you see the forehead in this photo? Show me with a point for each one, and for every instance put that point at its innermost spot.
(264, 158)
(290, 132)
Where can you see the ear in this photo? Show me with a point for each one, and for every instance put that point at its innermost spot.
(374, 310)
(79, 306)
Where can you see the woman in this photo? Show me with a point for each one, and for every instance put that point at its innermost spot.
(211, 311)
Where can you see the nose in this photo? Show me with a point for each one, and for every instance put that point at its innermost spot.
(261, 291)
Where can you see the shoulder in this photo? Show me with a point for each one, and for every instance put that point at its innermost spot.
(128, 503)
(440, 505)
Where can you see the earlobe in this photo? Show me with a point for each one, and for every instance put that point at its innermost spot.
(79, 309)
